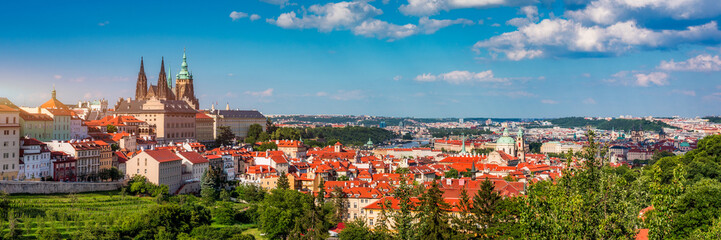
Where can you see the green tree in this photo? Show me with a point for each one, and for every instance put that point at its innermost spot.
(486, 212)
(49, 234)
(281, 209)
(403, 217)
(356, 229)
(225, 136)
(320, 198)
(111, 128)
(283, 182)
(340, 202)
(254, 130)
(453, 173)
(434, 219)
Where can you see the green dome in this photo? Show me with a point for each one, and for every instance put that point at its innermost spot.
(506, 140)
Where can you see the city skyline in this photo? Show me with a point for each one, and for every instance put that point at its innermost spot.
(388, 58)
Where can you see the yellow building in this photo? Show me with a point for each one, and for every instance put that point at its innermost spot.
(174, 120)
(204, 128)
(9, 142)
(239, 121)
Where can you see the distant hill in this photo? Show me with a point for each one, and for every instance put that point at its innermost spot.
(713, 119)
(617, 124)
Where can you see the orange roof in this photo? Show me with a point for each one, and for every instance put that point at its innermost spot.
(53, 103)
(163, 155)
(194, 157)
(6, 108)
(201, 115)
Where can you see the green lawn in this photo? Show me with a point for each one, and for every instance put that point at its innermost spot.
(255, 232)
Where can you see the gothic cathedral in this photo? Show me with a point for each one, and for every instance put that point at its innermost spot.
(164, 89)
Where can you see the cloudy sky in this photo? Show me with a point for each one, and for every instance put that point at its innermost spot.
(421, 58)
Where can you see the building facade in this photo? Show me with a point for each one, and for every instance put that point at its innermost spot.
(9, 142)
(161, 167)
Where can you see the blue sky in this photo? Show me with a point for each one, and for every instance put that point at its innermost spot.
(420, 58)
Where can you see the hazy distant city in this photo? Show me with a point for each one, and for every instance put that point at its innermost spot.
(360, 119)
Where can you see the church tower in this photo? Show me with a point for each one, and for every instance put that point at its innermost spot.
(163, 90)
(141, 88)
(184, 89)
(521, 145)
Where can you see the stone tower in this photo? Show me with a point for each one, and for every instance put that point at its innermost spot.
(184, 89)
(521, 145)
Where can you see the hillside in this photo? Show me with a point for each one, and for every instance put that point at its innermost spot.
(617, 124)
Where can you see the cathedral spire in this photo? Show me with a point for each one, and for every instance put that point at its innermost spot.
(141, 88)
(170, 81)
(53, 93)
(162, 85)
(184, 74)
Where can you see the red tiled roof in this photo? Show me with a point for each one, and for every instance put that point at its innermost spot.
(163, 155)
(194, 157)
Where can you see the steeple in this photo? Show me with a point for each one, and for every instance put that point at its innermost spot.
(141, 88)
(184, 74)
(473, 170)
(170, 82)
(227, 106)
(463, 141)
(53, 93)
(162, 85)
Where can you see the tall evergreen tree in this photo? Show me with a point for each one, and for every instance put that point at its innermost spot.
(485, 211)
(403, 217)
(340, 202)
(283, 182)
(433, 220)
(320, 198)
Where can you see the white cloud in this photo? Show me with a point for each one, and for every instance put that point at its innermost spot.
(103, 23)
(511, 94)
(57, 76)
(281, 3)
(432, 7)
(321, 94)
(397, 78)
(549, 101)
(589, 101)
(608, 12)
(700, 63)
(237, 15)
(254, 17)
(561, 37)
(358, 17)
(531, 16)
(685, 92)
(461, 77)
(657, 78)
(266, 93)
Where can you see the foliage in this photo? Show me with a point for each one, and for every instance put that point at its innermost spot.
(713, 119)
(453, 173)
(283, 181)
(250, 192)
(49, 234)
(266, 146)
(482, 150)
(617, 124)
(534, 147)
(286, 133)
(139, 185)
(402, 220)
(433, 219)
(352, 135)
(356, 229)
(340, 203)
(407, 136)
(225, 136)
(110, 174)
(281, 210)
(585, 203)
(111, 128)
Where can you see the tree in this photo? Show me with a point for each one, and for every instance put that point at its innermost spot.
(269, 126)
(403, 170)
(281, 210)
(433, 219)
(343, 178)
(225, 136)
(407, 136)
(49, 234)
(453, 173)
(111, 128)
(403, 218)
(485, 210)
(340, 202)
(283, 182)
(266, 146)
(320, 198)
(254, 130)
(250, 192)
(356, 229)
(114, 147)
(464, 221)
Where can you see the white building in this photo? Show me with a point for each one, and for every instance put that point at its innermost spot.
(36, 158)
(194, 165)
